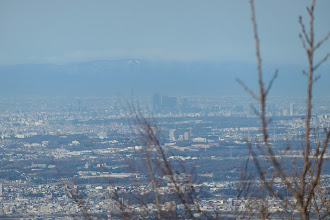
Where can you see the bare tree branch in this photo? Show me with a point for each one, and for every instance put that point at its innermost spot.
(270, 84)
(303, 29)
(306, 180)
(246, 88)
(326, 37)
(321, 62)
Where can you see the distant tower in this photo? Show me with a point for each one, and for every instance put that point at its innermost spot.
(184, 105)
(186, 136)
(156, 102)
(274, 134)
(291, 109)
(172, 135)
(285, 112)
(79, 105)
(0, 189)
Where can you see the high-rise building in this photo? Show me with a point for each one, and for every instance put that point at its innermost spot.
(184, 105)
(169, 102)
(172, 135)
(0, 189)
(156, 102)
(163, 103)
(285, 112)
(291, 109)
(186, 136)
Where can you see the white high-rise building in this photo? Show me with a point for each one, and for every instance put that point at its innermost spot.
(172, 134)
(186, 136)
(291, 109)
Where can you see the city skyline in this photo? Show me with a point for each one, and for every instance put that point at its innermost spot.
(164, 109)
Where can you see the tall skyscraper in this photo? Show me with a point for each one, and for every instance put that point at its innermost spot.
(184, 105)
(156, 102)
(163, 103)
(169, 103)
(291, 109)
(186, 136)
(172, 135)
(285, 112)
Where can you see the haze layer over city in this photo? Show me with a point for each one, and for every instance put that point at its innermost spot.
(164, 109)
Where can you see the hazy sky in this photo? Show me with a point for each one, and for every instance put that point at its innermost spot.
(44, 31)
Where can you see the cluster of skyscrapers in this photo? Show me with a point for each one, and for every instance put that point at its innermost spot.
(163, 103)
(181, 137)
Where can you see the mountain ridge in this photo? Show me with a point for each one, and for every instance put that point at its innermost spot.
(111, 77)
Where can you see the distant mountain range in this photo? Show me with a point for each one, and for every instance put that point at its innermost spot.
(113, 77)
